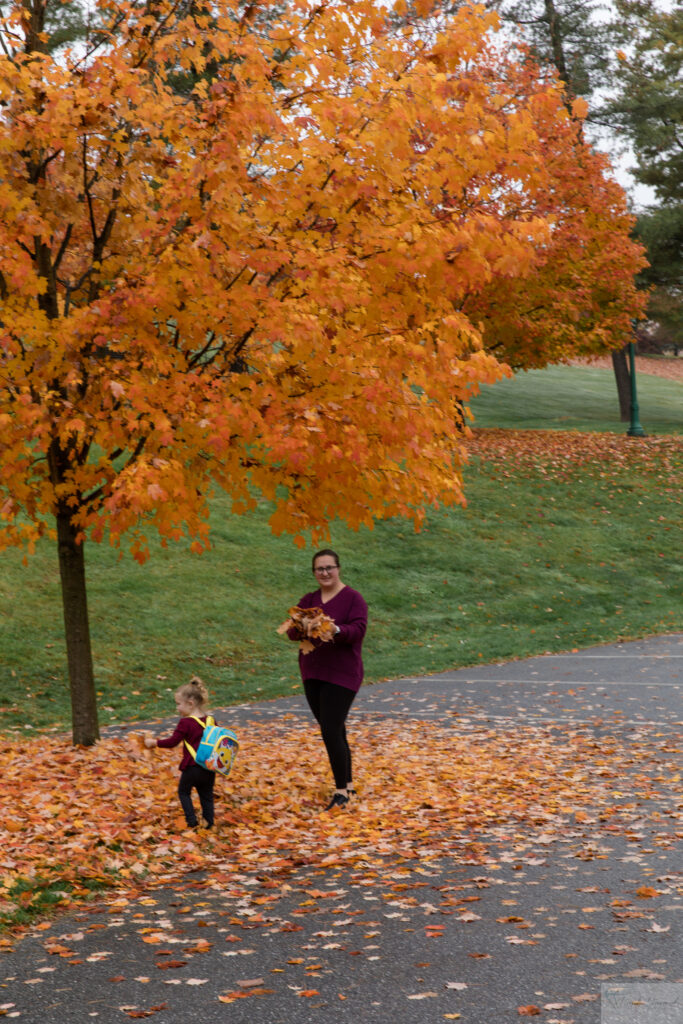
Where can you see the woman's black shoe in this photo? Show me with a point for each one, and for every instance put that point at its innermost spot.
(338, 800)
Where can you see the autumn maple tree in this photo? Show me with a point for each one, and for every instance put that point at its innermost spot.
(581, 296)
(262, 281)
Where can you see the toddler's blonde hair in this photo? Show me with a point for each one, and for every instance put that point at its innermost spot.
(194, 691)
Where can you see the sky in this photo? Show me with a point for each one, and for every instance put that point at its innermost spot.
(640, 196)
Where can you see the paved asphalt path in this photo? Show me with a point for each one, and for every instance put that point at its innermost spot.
(556, 933)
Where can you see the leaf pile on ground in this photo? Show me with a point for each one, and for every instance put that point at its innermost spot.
(109, 815)
(560, 452)
(667, 369)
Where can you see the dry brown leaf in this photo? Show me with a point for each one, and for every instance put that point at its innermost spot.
(144, 1013)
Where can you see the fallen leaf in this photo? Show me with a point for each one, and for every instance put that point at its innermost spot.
(144, 1013)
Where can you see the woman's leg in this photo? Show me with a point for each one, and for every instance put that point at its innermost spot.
(335, 702)
(312, 689)
(349, 769)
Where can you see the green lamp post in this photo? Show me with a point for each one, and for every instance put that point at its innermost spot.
(635, 429)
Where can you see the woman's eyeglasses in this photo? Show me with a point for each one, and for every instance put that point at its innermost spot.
(320, 569)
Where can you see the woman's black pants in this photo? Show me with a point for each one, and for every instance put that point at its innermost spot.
(330, 705)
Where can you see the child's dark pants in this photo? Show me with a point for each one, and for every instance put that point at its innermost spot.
(201, 779)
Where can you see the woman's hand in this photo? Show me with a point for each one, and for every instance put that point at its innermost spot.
(149, 741)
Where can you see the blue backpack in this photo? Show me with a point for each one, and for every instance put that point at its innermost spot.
(217, 748)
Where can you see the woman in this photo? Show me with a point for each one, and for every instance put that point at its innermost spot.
(333, 671)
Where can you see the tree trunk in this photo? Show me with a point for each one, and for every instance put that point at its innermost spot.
(623, 379)
(77, 630)
(557, 44)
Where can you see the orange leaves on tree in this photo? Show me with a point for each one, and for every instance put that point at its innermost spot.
(577, 293)
(274, 287)
(230, 296)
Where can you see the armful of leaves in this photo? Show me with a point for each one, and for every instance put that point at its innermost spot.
(309, 624)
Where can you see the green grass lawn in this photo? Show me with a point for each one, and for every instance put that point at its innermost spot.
(539, 561)
(577, 398)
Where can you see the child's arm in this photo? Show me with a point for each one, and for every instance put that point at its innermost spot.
(179, 734)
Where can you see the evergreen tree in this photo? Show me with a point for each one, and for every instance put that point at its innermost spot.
(649, 111)
(661, 231)
(649, 105)
(574, 36)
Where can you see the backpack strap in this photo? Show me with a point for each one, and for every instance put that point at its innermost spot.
(209, 721)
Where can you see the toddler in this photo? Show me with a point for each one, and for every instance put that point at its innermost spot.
(191, 699)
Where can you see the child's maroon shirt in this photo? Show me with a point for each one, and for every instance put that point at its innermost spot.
(186, 729)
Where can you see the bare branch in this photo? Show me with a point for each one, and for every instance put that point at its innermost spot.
(62, 248)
